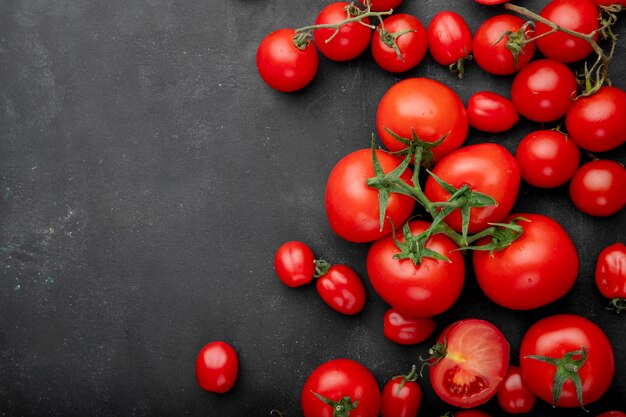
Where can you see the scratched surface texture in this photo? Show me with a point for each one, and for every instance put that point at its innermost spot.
(147, 176)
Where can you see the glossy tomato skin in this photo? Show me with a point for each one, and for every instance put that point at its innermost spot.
(492, 55)
(597, 188)
(514, 396)
(475, 365)
(557, 335)
(412, 45)
(336, 379)
(407, 330)
(547, 158)
(342, 289)
(283, 66)
(578, 15)
(294, 263)
(610, 272)
(423, 290)
(353, 38)
(543, 90)
(468, 166)
(595, 122)
(491, 112)
(352, 206)
(538, 268)
(382, 5)
(449, 38)
(400, 399)
(217, 366)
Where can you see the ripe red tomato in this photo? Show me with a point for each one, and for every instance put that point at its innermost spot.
(538, 268)
(282, 65)
(595, 122)
(412, 45)
(547, 158)
(578, 15)
(514, 396)
(554, 337)
(352, 206)
(450, 40)
(543, 90)
(430, 108)
(491, 54)
(597, 188)
(468, 165)
(216, 367)
(401, 396)
(407, 330)
(613, 413)
(423, 290)
(491, 112)
(474, 363)
(341, 288)
(294, 263)
(352, 39)
(383, 5)
(336, 379)
(611, 271)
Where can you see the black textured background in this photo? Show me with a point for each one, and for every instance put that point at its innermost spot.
(147, 176)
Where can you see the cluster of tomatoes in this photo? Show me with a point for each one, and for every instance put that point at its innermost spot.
(522, 261)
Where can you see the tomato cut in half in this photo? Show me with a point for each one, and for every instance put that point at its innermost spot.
(469, 363)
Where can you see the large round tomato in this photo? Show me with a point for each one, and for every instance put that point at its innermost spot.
(412, 44)
(538, 268)
(567, 342)
(514, 396)
(352, 39)
(334, 380)
(423, 290)
(489, 46)
(428, 107)
(487, 168)
(217, 367)
(595, 122)
(473, 357)
(578, 15)
(407, 330)
(611, 271)
(491, 112)
(597, 188)
(449, 39)
(283, 66)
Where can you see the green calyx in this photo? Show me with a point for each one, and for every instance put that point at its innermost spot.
(390, 39)
(516, 41)
(414, 246)
(567, 368)
(342, 407)
(617, 304)
(321, 268)
(422, 150)
(410, 377)
(435, 355)
(502, 235)
(458, 67)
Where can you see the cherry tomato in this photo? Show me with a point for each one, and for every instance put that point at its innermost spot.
(595, 122)
(412, 45)
(340, 288)
(401, 396)
(538, 268)
(514, 396)
(450, 40)
(543, 90)
(589, 349)
(352, 39)
(336, 379)
(578, 15)
(491, 112)
(467, 166)
(613, 413)
(352, 206)
(382, 5)
(216, 367)
(547, 158)
(428, 107)
(282, 65)
(407, 330)
(597, 188)
(294, 263)
(490, 51)
(423, 290)
(611, 271)
(471, 368)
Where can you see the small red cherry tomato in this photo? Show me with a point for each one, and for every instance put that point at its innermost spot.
(295, 264)
(543, 91)
(547, 158)
(352, 39)
(384, 5)
(407, 330)
(410, 38)
(514, 396)
(491, 112)
(401, 396)
(612, 413)
(216, 367)
(340, 287)
(450, 40)
(597, 188)
(611, 272)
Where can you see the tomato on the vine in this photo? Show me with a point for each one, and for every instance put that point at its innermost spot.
(352, 39)
(401, 396)
(514, 396)
(294, 263)
(407, 330)
(340, 287)
(217, 367)
(450, 40)
(571, 352)
(610, 271)
(491, 112)
(597, 188)
(408, 35)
